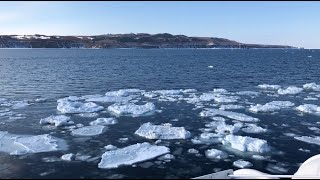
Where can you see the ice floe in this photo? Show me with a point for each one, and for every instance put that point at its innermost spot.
(308, 139)
(223, 128)
(104, 121)
(271, 106)
(208, 138)
(89, 130)
(215, 154)
(25, 144)
(124, 92)
(220, 98)
(290, 90)
(110, 147)
(131, 154)
(252, 128)
(268, 86)
(258, 157)
(88, 114)
(230, 106)
(168, 92)
(58, 120)
(150, 131)
(66, 106)
(67, 157)
(232, 115)
(132, 109)
(312, 86)
(242, 164)
(309, 108)
(193, 151)
(110, 99)
(245, 143)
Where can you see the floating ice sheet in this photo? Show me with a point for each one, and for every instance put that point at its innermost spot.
(232, 115)
(104, 121)
(231, 106)
(25, 144)
(268, 86)
(132, 109)
(312, 86)
(132, 154)
(89, 130)
(308, 139)
(215, 154)
(271, 106)
(78, 107)
(242, 164)
(290, 90)
(58, 120)
(151, 131)
(252, 128)
(309, 108)
(245, 143)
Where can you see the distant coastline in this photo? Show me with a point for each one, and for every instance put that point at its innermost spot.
(129, 41)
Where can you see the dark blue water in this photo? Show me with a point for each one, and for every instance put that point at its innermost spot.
(27, 74)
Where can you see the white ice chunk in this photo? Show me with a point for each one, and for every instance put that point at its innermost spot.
(230, 106)
(132, 109)
(189, 90)
(242, 164)
(267, 86)
(223, 128)
(25, 144)
(78, 107)
(166, 157)
(104, 121)
(110, 99)
(193, 151)
(110, 147)
(168, 92)
(67, 157)
(150, 131)
(309, 108)
(252, 128)
(248, 93)
(290, 90)
(132, 154)
(89, 130)
(208, 138)
(218, 98)
(308, 139)
(271, 106)
(58, 120)
(88, 114)
(124, 92)
(245, 143)
(258, 157)
(215, 154)
(312, 86)
(229, 114)
(220, 91)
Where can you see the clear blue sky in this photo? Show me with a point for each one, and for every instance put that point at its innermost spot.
(285, 23)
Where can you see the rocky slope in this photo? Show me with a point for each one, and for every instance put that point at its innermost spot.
(141, 40)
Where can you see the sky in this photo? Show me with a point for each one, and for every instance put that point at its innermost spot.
(280, 23)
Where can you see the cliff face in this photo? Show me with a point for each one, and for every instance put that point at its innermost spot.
(141, 40)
